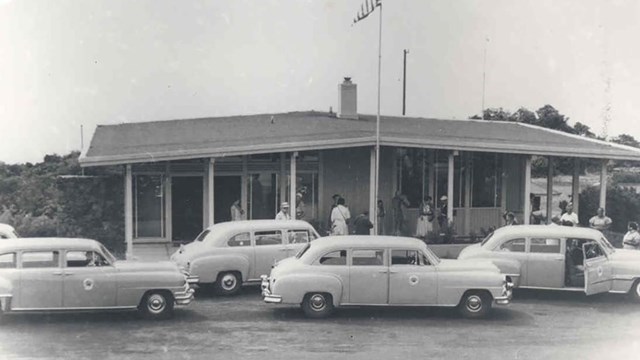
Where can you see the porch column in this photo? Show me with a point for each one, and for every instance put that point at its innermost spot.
(293, 178)
(432, 176)
(244, 180)
(450, 188)
(603, 185)
(575, 185)
(210, 192)
(467, 193)
(373, 216)
(549, 189)
(128, 210)
(527, 190)
(283, 180)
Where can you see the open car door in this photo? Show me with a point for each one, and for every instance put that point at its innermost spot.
(598, 274)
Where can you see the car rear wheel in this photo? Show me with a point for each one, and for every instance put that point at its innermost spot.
(156, 305)
(228, 283)
(475, 304)
(317, 305)
(634, 293)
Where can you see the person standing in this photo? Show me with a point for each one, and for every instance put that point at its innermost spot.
(631, 239)
(600, 221)
(399, 203)
(237, 213)
(424, 225)
(335, 198)
(284, 212)
(362, 224)
(444, 213)
(340, 215)
(380, 214)
(510, 219)
(569, 218)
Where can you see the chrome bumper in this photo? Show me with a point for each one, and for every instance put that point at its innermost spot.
(266, 292)
(184, 297)
(507, 294)
(193, 280)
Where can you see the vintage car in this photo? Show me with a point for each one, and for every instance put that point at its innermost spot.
(358, 270)
(7, 232)
(230, 254)
(560, 258)
(51, 274)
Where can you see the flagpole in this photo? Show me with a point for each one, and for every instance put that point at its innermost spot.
(377, 169)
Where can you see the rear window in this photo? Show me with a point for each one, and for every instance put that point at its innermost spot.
(202, 235)
(302, 251)
(484, 241)
(338, 257)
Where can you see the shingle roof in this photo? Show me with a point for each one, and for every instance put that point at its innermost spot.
(299, 131)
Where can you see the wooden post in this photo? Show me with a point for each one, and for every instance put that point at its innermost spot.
(549, 189)
(128, 210)
(210, 191)
(575, 185)
(527, 190)
(603, 185)
(373, 205)
(467, 193)
(292, 188)
(450, 192)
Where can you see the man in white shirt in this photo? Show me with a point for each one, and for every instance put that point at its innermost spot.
(569, 218)
(284, 212)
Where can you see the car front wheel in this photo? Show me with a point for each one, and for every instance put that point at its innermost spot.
(228, 283)
(156, 305)
(475, 304)
(317, 305)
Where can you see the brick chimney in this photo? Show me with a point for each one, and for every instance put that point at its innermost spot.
(347, 99)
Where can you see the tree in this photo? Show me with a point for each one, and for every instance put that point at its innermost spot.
(583, 130)
(626, 139)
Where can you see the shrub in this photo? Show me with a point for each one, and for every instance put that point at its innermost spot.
(623, 205)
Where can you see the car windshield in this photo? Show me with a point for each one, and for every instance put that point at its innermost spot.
(484, 241)
(107, 254)
(303, 250)
(608, 248)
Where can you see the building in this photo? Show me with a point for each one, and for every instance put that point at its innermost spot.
(183, 175)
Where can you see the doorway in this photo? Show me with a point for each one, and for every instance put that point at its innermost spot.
(226, 189)
(186, 207)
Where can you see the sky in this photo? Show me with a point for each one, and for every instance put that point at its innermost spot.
(66, 64)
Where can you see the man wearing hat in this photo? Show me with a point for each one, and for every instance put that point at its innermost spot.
(444, 211)
(284, 212)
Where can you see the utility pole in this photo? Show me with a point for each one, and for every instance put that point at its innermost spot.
(404, 82)
(484, 73)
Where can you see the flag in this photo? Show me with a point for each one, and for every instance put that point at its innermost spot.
(366, 9)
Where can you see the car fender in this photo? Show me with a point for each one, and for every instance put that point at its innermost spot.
(293, 287)
(208, 267)
(452, 285)
(509, 267)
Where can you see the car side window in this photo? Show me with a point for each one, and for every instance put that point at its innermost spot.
(268, 237)
(514, 245)
(242, 239)
(84, 259)
(405, 257)
(367, 257)
(334, 258)
(592, 250)
(298, 236)
(8, 261)
(40, 259)
(545, 245)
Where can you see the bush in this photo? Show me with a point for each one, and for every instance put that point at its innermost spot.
(623, 205)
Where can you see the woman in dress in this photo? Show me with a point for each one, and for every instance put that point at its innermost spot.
(340, 215)
(424, 224)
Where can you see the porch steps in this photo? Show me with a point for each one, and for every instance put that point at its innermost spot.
(153, 251)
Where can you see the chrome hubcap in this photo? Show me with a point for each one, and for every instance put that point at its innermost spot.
(474, 303)
(229, 281)
(156, 303)
(318, 302)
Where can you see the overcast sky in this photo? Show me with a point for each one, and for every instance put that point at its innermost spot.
(65, 63)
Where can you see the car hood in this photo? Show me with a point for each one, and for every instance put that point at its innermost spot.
(625, 255)
(125, 265)
(186, 251)
(467, 265)
(470, 251)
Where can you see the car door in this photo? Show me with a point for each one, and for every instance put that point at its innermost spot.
(513, 249)
(41, 280)
(598, 273)
(89, 281)
(545, 263)
(368, 277)
(296, 240)
(268, 249)
(412, 279)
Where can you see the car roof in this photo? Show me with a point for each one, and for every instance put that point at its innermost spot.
(47, 243)
(367, 241)
(258, 224)
(565, 231)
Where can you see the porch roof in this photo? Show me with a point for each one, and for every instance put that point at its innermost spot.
(301, 131)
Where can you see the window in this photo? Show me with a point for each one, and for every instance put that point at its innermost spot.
(298, 236)
(40, 259)
(268, 237)
(515, 245)
(334, 258)
(405, 257)
(413, 177)
(486, 170)
(85, 259)
(539, 245)
(203, 235)
(8, 261)
(148, 201)
(367, 257)
(592, 250)
(241, 239)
